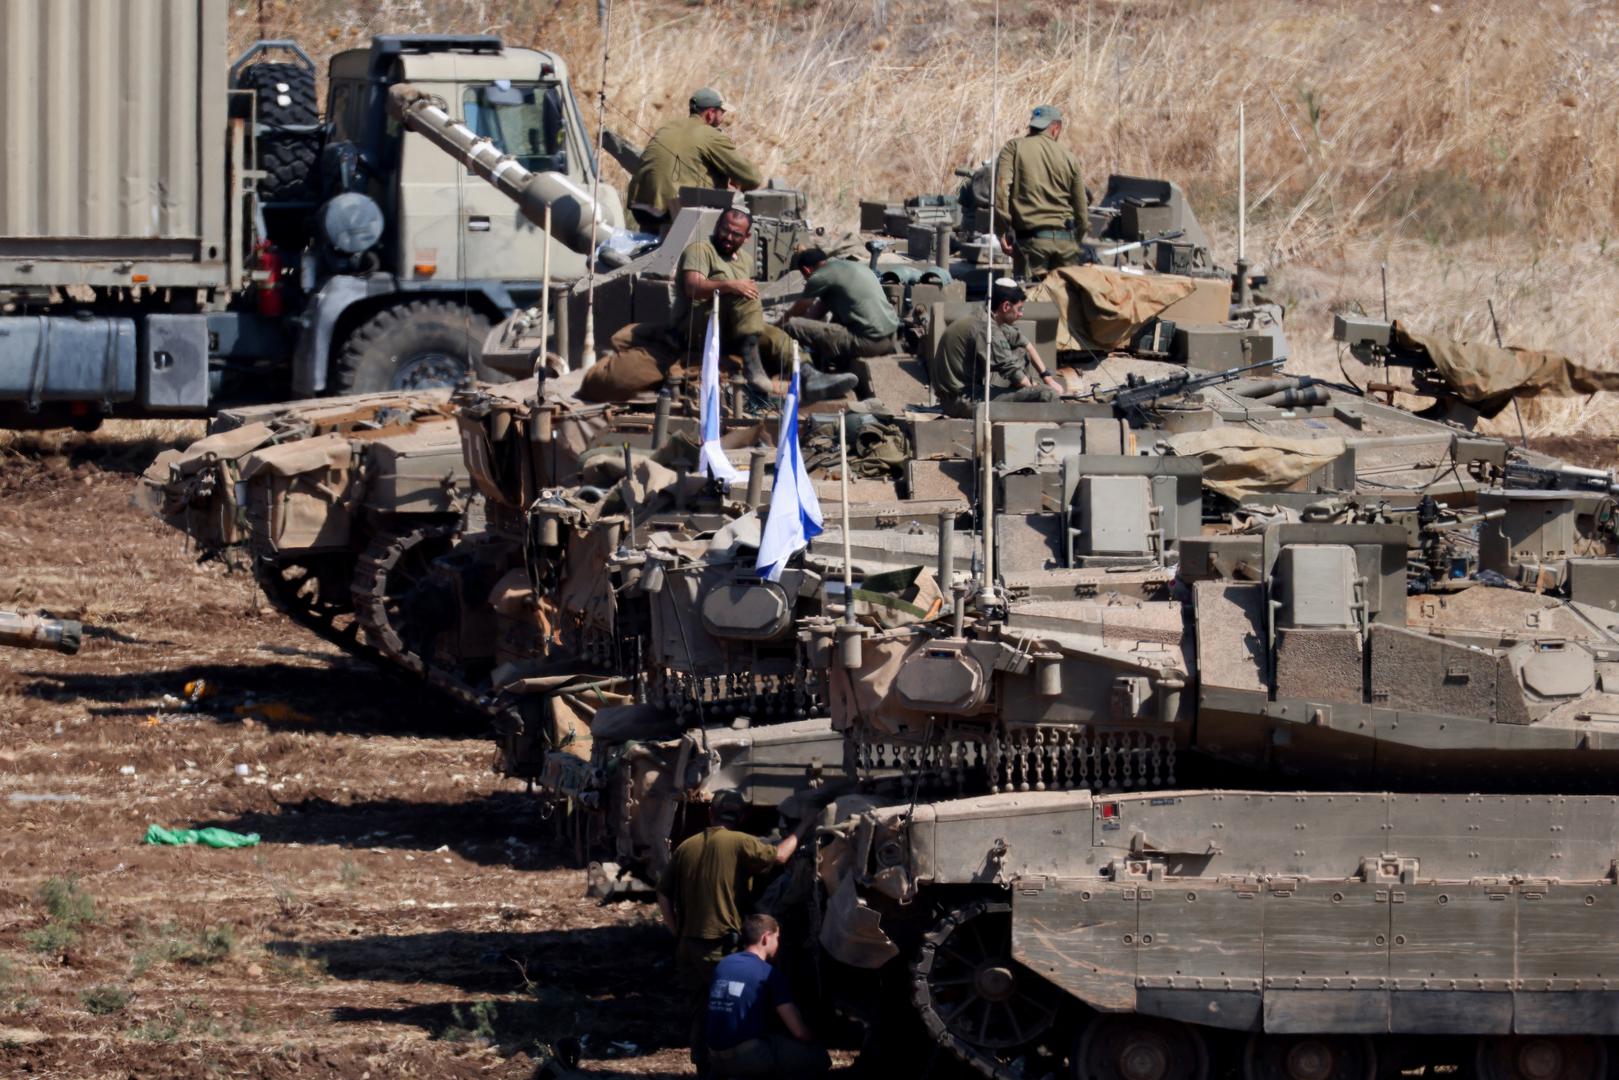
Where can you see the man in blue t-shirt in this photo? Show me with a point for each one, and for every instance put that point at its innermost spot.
(745, 994)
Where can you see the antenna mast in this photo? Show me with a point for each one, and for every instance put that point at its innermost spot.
(986, 588)
(1244, 296)
(604, 11)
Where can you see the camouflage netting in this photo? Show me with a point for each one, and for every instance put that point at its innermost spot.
(1101, 309)
(1488, 376)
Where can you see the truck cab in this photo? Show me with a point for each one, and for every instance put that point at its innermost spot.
(447, 224)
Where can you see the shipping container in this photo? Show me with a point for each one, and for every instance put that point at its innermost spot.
(113, 122)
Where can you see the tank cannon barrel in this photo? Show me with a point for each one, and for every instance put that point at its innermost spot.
(575, 218)
(40, 632)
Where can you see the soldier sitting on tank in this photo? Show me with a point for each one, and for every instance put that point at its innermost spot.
(747, 993)
(703, 893)
(1016, 370)
(720, 269)
(1040, 198)
(690, 152)
(862, 321)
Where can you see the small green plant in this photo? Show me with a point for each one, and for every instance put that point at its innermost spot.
(172, 944)
(477, 1023)
(67, 908)
(303, 965)
(105, 1000)
(163, 1028)
(350, 873)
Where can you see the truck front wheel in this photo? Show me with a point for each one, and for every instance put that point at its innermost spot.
(413, 346)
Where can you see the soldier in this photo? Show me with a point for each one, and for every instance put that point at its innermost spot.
(957, 369)
(1040, 198)
(747, 994)
(692, 152)
(722, 266)
(863, 321)
(702, 894)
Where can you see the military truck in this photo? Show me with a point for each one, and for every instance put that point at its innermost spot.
(207, 236)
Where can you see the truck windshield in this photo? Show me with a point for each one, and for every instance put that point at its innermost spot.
(523, 120)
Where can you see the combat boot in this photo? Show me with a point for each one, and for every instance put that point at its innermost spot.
(819, 386)
(753, 368)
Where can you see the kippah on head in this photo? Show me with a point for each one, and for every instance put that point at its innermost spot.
(1007, 291)
(809, 258)
(728, 806)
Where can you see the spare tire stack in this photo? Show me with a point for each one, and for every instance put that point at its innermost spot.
(289, 140)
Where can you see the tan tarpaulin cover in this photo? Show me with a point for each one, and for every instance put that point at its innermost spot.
(1099, 308)
(865, 695)
(296, 458)
(1480, 373)
(1239, 461)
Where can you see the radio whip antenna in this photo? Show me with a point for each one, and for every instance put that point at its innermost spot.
(604, 11)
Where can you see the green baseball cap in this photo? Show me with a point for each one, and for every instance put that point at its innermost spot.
(1044, 116)
(708, 98)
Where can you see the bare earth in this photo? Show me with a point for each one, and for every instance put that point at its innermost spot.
(407, 914)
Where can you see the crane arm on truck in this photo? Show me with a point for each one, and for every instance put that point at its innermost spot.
(576, 220)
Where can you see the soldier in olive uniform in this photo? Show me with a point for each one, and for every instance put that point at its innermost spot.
(722, 267)
(957, 369)
(692, 152)
(862, 321)
(1040, 201)
(703, 895)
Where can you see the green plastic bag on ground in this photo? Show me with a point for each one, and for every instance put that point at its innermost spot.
(215, 838)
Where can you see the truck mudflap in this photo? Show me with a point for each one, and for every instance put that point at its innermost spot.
(62, 358)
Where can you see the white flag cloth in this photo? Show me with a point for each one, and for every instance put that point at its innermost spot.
(795, 512)
(713, 459)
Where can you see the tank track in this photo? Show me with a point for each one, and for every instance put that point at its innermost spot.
(972, 982)
(293, 589)
(378, 582)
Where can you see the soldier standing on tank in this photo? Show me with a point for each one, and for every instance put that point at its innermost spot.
(690, 152)
(1040, 199)
(703, 895)
(721, 266)
(957, 370)
(862, 321)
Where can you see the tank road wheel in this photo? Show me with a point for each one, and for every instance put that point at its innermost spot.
(414, 346)
(974, 998)
(1542, 1057)
(1124, 1046)
(394, 564)
(1309, 1057)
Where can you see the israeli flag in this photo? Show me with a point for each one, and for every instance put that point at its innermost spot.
(795, 512)
(713, 460)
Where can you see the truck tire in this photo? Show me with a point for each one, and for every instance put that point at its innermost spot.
(290, 159)
(413, 346)
(286, 92)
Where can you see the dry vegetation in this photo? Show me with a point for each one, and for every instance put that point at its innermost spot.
(1471, 147)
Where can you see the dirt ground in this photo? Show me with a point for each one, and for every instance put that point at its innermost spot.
(407, 913)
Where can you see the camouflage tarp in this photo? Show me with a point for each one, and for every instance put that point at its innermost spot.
(1239, 461)
(1100, 308)
(1487, 375)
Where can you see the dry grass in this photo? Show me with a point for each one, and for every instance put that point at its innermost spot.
(1470, 146)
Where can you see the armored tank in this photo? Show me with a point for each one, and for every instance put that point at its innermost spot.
(337, 505)
(1249, 751)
